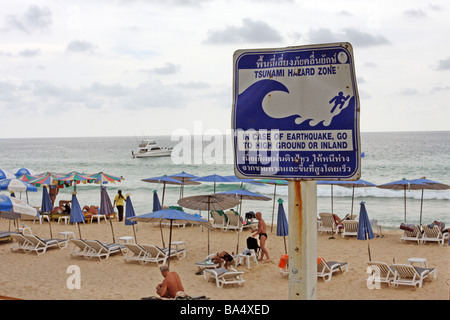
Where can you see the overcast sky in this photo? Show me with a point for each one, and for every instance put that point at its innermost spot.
(149, 67)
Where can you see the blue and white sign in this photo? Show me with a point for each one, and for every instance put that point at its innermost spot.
(296, 113)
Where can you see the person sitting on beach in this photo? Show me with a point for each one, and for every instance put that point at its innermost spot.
(224, 259)
(171, 284)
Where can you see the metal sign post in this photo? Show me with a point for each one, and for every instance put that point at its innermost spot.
(302, 240)
(296, 117)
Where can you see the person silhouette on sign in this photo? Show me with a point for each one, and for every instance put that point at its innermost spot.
(339, 100)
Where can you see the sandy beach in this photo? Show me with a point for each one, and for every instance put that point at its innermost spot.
(31, 276)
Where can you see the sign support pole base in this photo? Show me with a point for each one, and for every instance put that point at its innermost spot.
(302, 240)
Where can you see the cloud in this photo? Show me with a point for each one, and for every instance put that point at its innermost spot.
(443, 64)
(27, 53)
(34, 19)
(81, 46)
(354, 36)
(251, 31)
(169, 68)
(414, 14)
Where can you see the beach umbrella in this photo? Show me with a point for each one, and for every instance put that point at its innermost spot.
(104, 178)
(13, 208)
(282, 223)
(106, 207)
(47, 178)
(364, 227)
(17, 185)
(5, 174)
(186, 179)
(242, 194)
(75, 178)
(348, 184)
(275, 183)
(414, 184)
(164, 180)
(76, 215)
(129, 213)
(20, 171)
(171, 215)
(233, 178)
(213, 178)
(208, 202)
(47, 206)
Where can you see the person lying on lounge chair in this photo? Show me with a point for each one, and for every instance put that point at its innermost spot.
(224, 259)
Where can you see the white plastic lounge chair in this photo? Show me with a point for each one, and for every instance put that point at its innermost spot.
(102, 250)
(20, 242)
(160, 256)
(415, 235)
(381, 272)
(326, 269)
(234, 222)
(350, 228)
(40, 246)
(207, 263)
(433, 234)
(80, 249)
(327, 223)
(406, 274)
(219, 221)
(223, 276)
(136, 252)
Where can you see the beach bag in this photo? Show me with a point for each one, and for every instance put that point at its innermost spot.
(252, 243)
(407, 227)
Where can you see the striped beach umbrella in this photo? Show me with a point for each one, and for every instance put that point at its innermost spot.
(13, 208)
(5, 174)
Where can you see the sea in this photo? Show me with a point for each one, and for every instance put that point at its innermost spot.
(388, 156)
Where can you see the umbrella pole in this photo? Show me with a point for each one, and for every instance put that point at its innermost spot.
(79, 231)
(353, 198)
(368, 248)
(134, 231)
(404, 192)
(162, 236)
(170, 242)
(112, 230)
(273, 206)
(421, 205)
(50, 226)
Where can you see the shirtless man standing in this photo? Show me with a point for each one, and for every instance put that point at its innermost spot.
(171, 284)
(261, 231)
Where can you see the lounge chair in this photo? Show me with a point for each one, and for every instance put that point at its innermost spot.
(160, 256)
(219, 220)
(136, 252)
(40, 246)
(433, 234)
(80, 249)
(327, 223)
(413, 234)
(234, 222)
(350, 228)
(6, 235)
(326, 269)
(102, 250)
(20, 242)
(381, 272)
(207, 263)
(224, 276)
(406, 274)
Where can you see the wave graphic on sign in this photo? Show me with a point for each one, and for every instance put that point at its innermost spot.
(268, 104)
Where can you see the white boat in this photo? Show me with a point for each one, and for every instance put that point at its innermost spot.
(149, 148)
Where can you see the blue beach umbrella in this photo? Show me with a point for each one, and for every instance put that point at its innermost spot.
(172, 215)
(76, 215)
(17, 185)
(156, 204)
(186, 179)
(364, 227)
(13, 208)
(129, 213)
(214, 178)
(22, 171)
(164, 180)
(282, 224)
(5, 174)
(106, 207)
